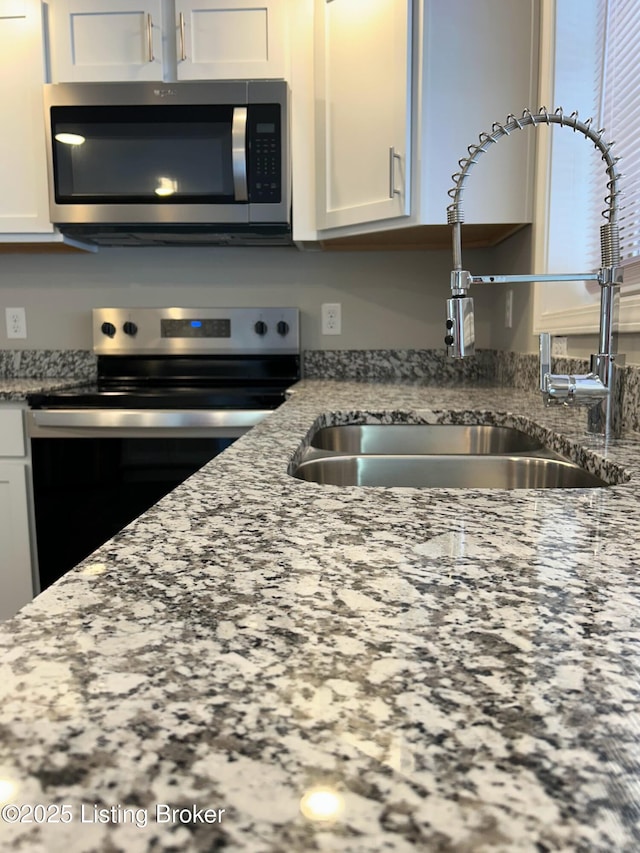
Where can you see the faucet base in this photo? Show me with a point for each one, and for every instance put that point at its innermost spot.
(605, 418)
(585, 390)
(599, 390)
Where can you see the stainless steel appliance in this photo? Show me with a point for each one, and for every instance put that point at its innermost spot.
(175, 387)
(191, 162)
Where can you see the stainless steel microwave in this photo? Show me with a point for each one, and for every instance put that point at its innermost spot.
(165, 163)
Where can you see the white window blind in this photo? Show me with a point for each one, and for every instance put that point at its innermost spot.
(617, 108)
(596, 71)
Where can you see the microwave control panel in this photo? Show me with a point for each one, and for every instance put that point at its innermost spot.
(265, 153)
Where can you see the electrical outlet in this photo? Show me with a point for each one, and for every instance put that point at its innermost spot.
(559, 346)
(331, 318)
(508, 309)
(16, 322)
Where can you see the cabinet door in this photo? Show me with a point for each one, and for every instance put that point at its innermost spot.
(24, 203)
(230, 39)
(480, 63)
(106, 40)
(363, 79)
(16, 587)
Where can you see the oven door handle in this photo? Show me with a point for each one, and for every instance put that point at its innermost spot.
(63, 423)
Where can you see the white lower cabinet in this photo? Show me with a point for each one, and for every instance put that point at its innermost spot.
(16, 578)
(16, 587)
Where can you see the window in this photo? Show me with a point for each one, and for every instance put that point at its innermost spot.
(617, 96)
(596, 72)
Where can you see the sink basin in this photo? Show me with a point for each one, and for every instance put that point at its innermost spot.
(447, 471)
(411, 439)
(427, 456)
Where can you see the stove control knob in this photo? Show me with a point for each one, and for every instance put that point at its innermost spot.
(108, 329)
(283, 328)
(130, 328)
(260, 328)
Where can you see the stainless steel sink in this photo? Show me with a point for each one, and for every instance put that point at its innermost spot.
(410, 439)
(427, 456)
(447, 471)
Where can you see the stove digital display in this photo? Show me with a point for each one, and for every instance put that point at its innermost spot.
(195, 328)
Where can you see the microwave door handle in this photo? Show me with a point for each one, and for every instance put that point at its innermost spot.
(239, 153)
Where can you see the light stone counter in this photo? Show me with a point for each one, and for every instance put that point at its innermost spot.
(17, 389)
(461, 667)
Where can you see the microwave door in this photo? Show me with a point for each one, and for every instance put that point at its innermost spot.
(166, 164)
(239, 153)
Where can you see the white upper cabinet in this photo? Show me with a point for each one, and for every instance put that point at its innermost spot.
(24, 205)
(402, 88)
(363, 110)
(94, 40)
(479, 63)
(230, 39)
(116, 40)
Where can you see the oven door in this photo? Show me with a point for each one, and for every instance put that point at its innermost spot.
(95, 471)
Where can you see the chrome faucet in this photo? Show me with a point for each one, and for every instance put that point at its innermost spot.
(595, 389)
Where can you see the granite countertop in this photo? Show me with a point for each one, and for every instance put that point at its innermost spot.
(17, 389)
(457, 668)
(24, 372)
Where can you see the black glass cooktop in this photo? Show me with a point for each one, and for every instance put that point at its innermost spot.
(180, 383)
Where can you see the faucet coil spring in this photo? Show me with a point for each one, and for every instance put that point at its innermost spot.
(610, 244)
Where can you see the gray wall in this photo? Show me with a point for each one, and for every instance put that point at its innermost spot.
(514, 255)
(510, 256)
(389, 299)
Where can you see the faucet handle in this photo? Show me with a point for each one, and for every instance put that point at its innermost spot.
(545, 360)
(569, 389)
